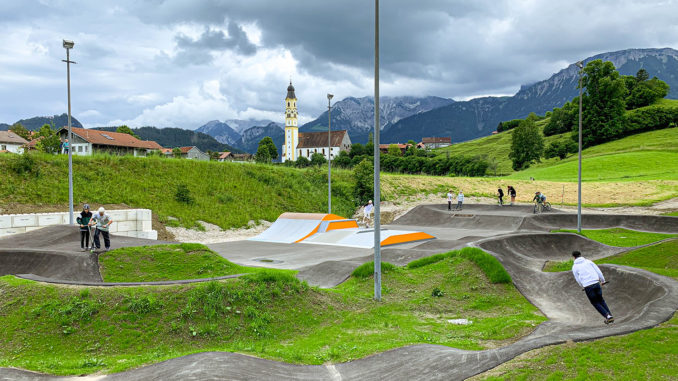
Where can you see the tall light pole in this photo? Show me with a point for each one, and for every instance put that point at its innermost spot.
(68, 45)
(377, 190)
(329, 154)
(580, 65)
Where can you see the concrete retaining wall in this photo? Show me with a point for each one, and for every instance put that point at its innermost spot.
(127, 222)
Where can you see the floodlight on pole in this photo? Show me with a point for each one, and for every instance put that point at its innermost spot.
(329, 154)
(377, 190)
(580, 65)
(68, 45)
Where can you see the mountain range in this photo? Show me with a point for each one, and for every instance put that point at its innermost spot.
(479, 117)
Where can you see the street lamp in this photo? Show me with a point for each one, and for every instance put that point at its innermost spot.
(329, 154)
(68, 45)
(580, 65)
(377, 190)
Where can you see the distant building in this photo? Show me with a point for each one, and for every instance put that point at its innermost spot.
(11, 142)
(87, 142)
(431, 143)
(291, 126)
(317, 142)
(225, 156)
(193, 153)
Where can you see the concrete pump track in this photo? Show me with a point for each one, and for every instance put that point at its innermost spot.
(518, 239)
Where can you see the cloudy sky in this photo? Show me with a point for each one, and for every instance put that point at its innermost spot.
(185, 62)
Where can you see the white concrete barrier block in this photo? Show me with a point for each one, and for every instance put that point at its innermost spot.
(50, 219)
(132, 215)
(144, 215)
(11, 231)
(5, 222)
(148, 235)
(126, 226)
(23, 220)
(144, 226)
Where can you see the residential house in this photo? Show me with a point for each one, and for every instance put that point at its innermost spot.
(193, 153)
(87, 142)
(440, 142)
(11, 142)
(317, 142)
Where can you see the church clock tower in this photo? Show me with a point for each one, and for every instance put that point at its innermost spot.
(291, 128)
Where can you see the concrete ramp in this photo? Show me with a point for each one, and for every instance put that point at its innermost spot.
(296, 227)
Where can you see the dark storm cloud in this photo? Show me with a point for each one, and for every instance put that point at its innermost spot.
(198, 51)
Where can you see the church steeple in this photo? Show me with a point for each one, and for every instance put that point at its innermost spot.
(291, 127)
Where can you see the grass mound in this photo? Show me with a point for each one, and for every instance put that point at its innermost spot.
(494, 270)
(270, 314)
(620, 237)
(166, 262)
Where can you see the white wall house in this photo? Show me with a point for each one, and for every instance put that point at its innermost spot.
(11, 142)
(317, 142)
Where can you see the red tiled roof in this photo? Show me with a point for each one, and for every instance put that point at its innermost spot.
(319, 139)
(107, 138)
(437, 140)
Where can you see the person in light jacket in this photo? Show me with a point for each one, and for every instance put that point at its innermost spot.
(588, 275)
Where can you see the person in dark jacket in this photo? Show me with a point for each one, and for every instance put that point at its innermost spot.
(83, 222)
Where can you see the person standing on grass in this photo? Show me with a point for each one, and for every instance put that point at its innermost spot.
(460, 200)
(450, 196)
(102, 221)
(366, 213)
(500, 193)
(588, 275)
(512, 192)
(83, 222)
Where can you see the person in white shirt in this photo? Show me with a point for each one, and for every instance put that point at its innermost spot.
(588, 275)
(460, 200)
(366, 213)
(450, 196)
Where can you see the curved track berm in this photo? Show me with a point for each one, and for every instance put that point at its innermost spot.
(638, 299)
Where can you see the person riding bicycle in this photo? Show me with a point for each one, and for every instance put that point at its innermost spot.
(540, 198)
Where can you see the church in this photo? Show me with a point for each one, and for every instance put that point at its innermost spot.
(298, 144)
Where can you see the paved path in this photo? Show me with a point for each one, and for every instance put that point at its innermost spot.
(639, 299)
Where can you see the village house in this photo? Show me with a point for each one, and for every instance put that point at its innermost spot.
(11, 142)
(317, 142)
(87, 142)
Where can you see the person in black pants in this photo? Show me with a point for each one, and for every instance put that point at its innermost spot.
(501, 195)
(83, 222)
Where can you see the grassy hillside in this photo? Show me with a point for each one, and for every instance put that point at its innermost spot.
(224, 194)
(497, 147)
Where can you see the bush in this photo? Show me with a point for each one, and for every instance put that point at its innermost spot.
(183, 194)
(366, 270)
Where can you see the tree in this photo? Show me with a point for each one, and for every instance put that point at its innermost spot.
(20, 130)
(266, 150)
(603, 103)
(364, 181)
(126, 130)
(49, 141)
(527, 145)
(394, 150)
(318, 159)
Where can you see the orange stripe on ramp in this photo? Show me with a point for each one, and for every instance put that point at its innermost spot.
(403, 238)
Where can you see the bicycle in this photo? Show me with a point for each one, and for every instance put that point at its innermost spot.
(540, 208)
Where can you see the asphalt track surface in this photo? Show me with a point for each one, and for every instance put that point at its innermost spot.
(519, 239)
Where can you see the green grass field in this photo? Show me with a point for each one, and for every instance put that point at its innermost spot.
(167, 262)
(269, 314)
(225, 194)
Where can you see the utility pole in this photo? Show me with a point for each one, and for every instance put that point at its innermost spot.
(377, 190)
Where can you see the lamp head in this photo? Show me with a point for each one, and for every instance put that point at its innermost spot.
(329, 96)
(68, 44)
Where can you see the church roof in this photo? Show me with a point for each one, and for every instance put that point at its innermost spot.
(319, 139)
(290, 92)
